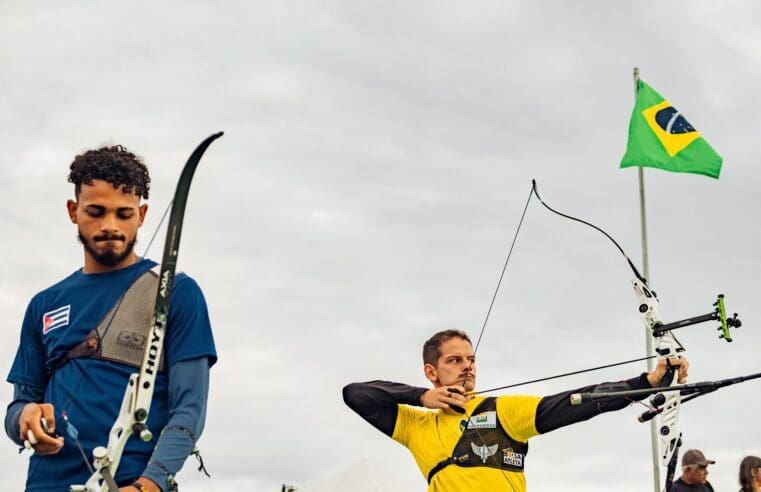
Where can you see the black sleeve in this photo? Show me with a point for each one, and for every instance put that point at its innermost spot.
(555, 411)
(376, 401)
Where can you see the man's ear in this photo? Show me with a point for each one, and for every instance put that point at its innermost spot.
(142, 210)
(431, 373)
(71, 207)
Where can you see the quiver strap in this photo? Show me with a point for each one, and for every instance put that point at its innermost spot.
(123, 332)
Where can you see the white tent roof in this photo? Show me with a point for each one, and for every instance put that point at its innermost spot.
(362, 476)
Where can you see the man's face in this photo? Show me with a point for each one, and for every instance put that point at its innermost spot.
(695, 474)
(107, 221)
(456, 366)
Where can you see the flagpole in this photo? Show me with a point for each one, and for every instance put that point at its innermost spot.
(648, 336)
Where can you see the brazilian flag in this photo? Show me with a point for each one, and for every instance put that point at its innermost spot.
(660, 136)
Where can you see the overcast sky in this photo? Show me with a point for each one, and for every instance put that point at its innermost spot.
(376, 160)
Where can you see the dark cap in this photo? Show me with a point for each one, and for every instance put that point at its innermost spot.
(695, 457)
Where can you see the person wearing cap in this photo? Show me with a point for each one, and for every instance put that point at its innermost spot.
(694, 473)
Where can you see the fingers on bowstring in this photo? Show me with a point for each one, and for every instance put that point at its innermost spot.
(456, 399)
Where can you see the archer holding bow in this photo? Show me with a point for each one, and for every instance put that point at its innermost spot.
(82, 338)
(471, 443)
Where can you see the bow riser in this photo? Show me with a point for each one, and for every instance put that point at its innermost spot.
(667, 347)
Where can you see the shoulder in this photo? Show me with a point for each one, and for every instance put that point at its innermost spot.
(678, 485)
(409, 420)
(183, 285)
(517, 414)
(42, 300)
(519, 403)
(190, 335)
(63, 284)
(184, 281)
(186, 292)
(410, 417)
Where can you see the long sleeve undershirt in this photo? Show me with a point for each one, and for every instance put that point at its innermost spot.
(376, 402)
(188, 392)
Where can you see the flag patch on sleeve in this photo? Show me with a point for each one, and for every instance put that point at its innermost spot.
(55, 319)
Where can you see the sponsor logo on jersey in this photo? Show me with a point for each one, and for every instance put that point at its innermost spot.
(512, 458)
(486, 420)
(484, 451)
(55, 319)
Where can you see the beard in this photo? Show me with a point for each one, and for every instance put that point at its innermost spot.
(109, 257)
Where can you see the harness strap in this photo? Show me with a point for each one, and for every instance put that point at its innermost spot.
(472, 443)
(87, 348)
(124, 332)
(452, 460)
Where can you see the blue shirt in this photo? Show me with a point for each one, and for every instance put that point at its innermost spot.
(90, 390)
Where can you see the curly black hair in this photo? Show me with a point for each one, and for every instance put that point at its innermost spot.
(115, 165)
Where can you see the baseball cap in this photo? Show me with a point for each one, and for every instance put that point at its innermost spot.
(695, 457)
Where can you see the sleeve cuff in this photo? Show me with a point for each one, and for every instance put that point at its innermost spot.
(157, 475)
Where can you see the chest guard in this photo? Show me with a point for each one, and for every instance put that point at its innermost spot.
(485, 443)
(122, 334)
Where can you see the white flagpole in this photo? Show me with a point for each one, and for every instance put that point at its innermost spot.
(648, 336)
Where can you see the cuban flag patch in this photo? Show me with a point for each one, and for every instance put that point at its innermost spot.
(55, 319)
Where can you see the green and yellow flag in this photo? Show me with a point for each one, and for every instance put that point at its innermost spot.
(660, 136)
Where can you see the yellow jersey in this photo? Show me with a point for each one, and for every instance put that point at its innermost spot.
(431, 437)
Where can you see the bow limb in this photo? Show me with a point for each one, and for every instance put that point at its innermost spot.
(667, 344)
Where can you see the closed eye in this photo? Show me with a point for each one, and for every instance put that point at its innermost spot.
(94, 210)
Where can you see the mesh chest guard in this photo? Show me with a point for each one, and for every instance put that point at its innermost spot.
(485, 443)
(124, 331)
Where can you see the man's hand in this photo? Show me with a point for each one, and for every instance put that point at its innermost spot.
(146, 483)
(30, 426)
(445, 397)
(680, 363)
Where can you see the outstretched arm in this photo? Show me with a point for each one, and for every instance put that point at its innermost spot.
(555, 411)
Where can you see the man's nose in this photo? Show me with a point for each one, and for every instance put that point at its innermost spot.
(109, 223)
